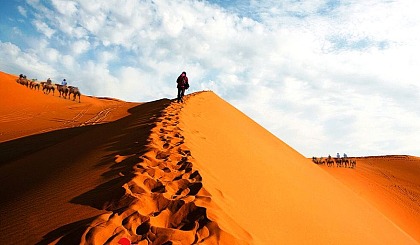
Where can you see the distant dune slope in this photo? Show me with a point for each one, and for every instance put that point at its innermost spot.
(271, 191)
(390, 183)
(25, 111)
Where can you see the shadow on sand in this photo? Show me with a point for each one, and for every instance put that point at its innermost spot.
(125, 137)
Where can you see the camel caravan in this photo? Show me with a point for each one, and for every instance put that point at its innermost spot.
(48, 87)
(339, 162)
(32, 84)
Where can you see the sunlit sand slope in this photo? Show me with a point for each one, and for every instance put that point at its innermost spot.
(271, 191)
(390, 183)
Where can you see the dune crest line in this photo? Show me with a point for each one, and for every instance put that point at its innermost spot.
(164, 200)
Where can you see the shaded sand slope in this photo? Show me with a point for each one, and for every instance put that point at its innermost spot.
(269, 189)
(64, 186)
(391, 184)
(26, 112)
(57, 158)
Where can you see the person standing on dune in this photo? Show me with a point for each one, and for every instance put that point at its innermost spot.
(182, 84)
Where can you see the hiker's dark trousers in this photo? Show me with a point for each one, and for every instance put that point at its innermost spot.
(181, 92)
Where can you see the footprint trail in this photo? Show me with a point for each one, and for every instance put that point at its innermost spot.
(161, 200)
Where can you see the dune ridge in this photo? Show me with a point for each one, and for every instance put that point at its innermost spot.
(164, 201)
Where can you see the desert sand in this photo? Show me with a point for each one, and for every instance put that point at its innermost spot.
(390, 183)
(199, 172)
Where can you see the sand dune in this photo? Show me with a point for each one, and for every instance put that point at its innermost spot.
(26, 111)
(161, 172)
(391, 184)
(269, 189)
(40, 172)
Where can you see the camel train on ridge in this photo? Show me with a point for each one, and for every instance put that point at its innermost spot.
(338, 161)
(48, 87)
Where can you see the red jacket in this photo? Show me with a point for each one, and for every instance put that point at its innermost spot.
(182, 81)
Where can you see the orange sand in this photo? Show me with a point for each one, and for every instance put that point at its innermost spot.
(391, 184)
(41, 172)
(24, 111)
(270, 190)
(194, 173)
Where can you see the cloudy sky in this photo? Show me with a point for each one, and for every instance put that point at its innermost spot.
(325, 76)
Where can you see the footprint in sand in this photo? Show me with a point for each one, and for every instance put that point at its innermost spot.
(163, 209)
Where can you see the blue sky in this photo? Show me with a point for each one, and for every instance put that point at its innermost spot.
(324, 76)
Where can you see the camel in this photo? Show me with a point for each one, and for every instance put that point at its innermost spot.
(339, 162)
(34, 85)
(330, 162)
(318, 161)
(63, 90)
(47, 88)
(346, 162)
(75, 91)
(352, 163)
(23, 81)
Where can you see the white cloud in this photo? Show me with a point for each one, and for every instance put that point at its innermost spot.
(18, 62)
(65, 7)
(52, 55)
(69, 63)
(43, 28)
(80, 47)
(22, 11)
(107, 56)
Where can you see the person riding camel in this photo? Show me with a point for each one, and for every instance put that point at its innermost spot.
(64, 82)
(182, 84)
(49, 81)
